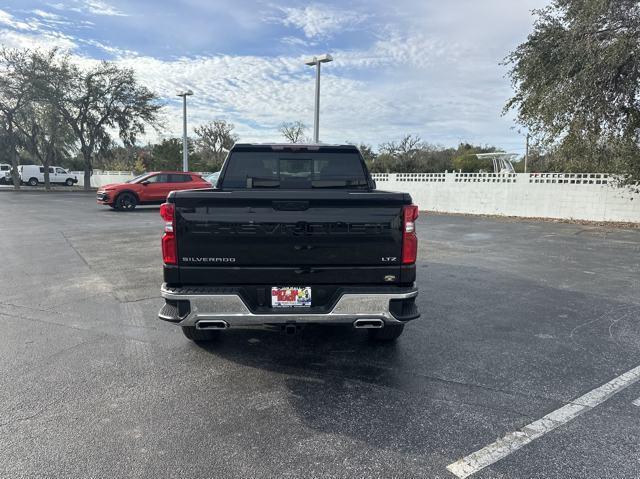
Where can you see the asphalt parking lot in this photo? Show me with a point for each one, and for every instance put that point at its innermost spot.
(519, 319)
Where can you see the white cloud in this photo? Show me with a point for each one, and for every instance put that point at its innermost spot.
(45, 15)
(98, 7)
(296, 42)
(94, 7)
(409, 49)
(429, 72)
(7, 19)
(116, 52)
(258, 93)
(39, 40)
(319, 20)
(33, 33)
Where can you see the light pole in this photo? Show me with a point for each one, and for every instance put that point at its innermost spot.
(526, 155)
(316, 61)
(185, 149)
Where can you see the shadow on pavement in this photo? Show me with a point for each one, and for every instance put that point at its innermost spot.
(139, 210)
(337, 381)
(479, 352)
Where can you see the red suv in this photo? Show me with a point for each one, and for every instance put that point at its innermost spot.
(148, 189)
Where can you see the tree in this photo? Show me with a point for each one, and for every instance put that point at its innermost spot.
(96, 101)
(470, 163)
(412, 155)
(14, 95)
(367, 153)
(465, 158)
(166, 155)
(403, 154)
(404, 148)
(213, 142)
(294, 132)
(44, 133)
(577, 82)
(44, 136)
(118, 157)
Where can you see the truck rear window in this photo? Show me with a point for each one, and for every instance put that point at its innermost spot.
(294, 170)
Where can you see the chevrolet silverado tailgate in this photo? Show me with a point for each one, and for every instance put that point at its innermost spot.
(307, 235)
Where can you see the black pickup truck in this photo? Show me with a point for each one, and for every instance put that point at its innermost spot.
(290, 235)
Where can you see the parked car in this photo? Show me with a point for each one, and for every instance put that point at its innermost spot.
(213, 178)
(148, 189)
(33, 175)
(5, 173)
(293, 235)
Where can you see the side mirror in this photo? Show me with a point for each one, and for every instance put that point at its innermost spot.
(145, 183)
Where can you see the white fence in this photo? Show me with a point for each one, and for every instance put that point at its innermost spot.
(579, 196)
(100, 177)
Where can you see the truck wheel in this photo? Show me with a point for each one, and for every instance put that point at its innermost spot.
(390, 332)
(199, 335)
(69, 182)
(33, 182)
(126, 201)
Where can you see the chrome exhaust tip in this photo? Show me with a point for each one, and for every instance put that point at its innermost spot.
(368, 324)
(212, 324)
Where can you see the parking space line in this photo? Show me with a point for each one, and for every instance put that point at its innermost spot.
(515, 440)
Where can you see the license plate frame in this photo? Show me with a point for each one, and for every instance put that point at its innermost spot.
(290, 297)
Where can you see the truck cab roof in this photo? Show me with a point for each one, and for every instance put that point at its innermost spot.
(292, 146)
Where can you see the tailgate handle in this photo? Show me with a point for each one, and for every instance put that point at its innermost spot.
(291, 205)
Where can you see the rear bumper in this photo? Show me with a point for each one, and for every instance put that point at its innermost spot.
(188, 306)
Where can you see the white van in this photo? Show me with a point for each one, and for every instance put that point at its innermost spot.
(5, 173)
(34, 174)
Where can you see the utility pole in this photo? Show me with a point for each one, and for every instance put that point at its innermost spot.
(526, 154)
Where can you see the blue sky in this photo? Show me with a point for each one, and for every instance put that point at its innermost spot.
(428, 67)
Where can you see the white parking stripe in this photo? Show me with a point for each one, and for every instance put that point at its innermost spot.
(515, 440)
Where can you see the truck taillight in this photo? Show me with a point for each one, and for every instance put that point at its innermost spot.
(169, 244)
(409, 237)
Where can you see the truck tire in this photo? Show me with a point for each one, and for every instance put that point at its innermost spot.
(126, 201)
(33, 182)
(199, 335)
(390, 332)
(69, 182)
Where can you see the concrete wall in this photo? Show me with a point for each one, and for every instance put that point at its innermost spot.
(585, 196)
(100, 178)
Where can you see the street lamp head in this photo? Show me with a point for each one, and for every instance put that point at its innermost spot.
(326, 58)
(185, 93)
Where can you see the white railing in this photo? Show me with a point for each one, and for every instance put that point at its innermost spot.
(537, 178)
(103, 177)
(104, 172)
(580, 196)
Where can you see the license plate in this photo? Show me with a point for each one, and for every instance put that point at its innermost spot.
(290, 297)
